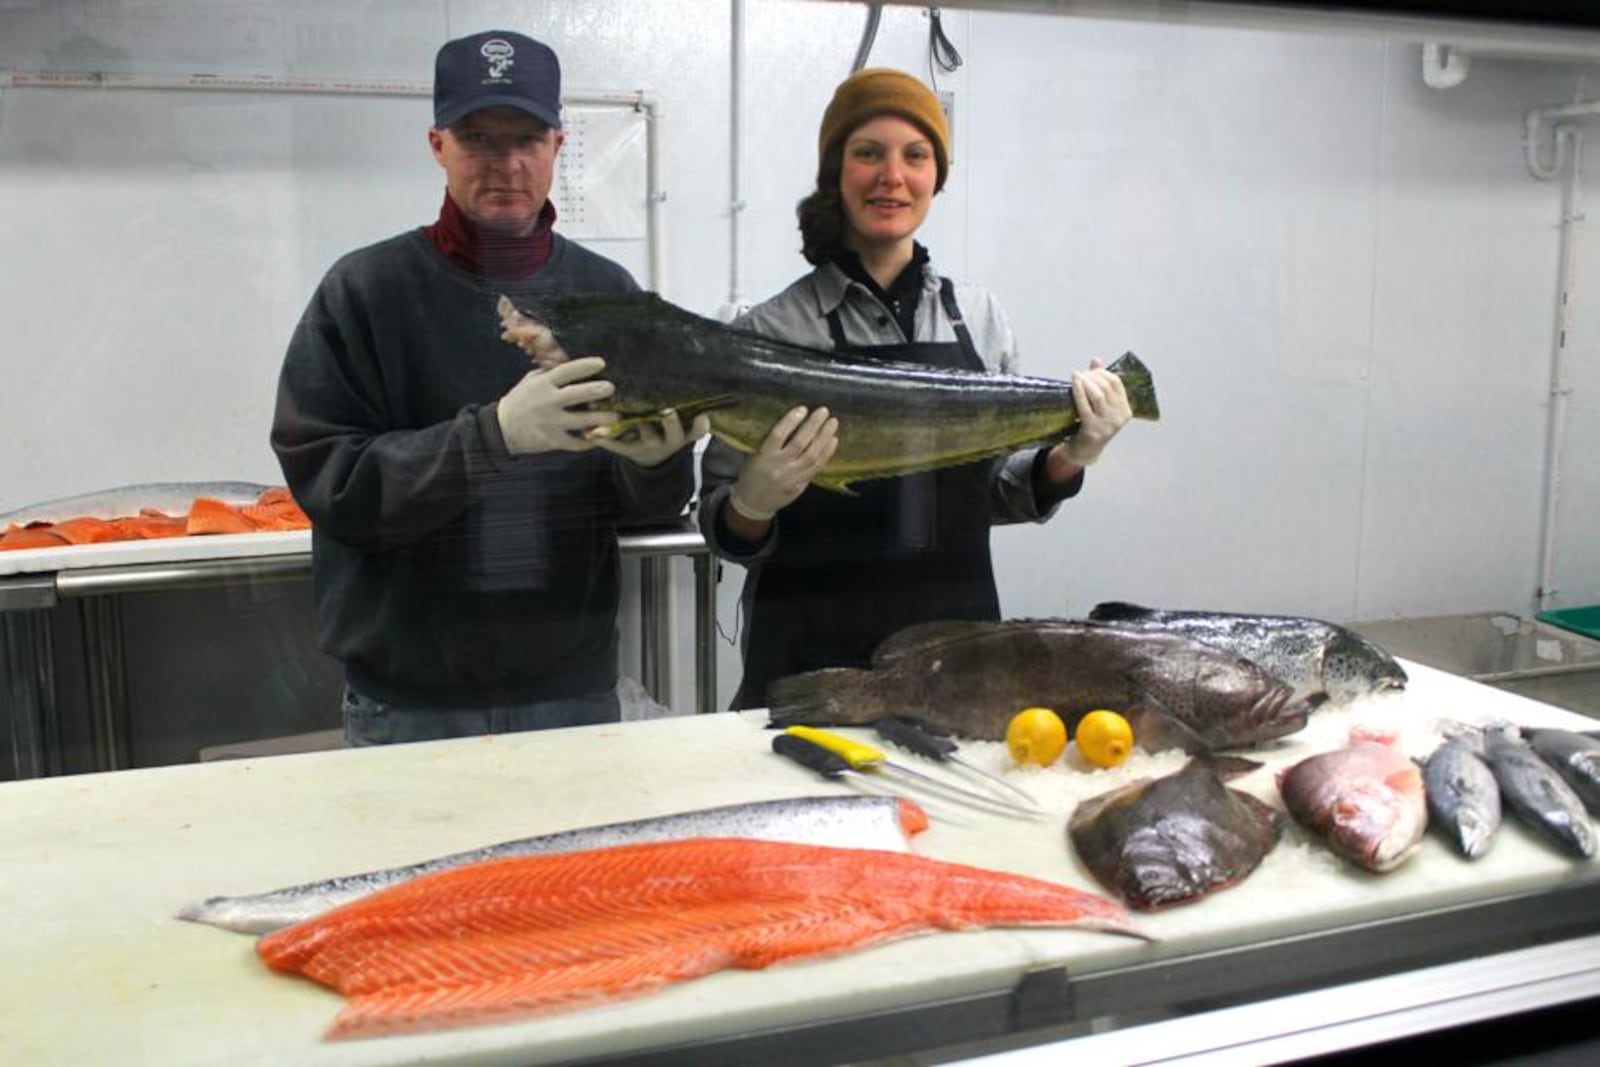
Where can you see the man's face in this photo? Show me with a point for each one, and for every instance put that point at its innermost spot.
(498, 165)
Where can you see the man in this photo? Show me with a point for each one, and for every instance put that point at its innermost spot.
(464, 512)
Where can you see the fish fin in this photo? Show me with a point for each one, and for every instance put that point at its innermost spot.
(836, 484)
(1119, 611)
(1156, 731)
(1227, 767)
(687, 412)
(823, 697)
(840, 482)
(1269, 817)
(1454, 729)
(1140, 385)
(922, 636)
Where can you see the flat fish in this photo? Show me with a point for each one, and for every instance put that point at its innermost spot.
(1538, 795)
(970, 678)
(1365, 801)
(879, 823)
(515, 938)
(1574, 755)
(1157, 842)
(1312, 655)
(171, 498)
(1463, 797)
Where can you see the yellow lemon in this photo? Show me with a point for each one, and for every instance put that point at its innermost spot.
(1104, 738)
(1036, 735)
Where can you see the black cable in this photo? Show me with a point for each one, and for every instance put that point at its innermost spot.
(940, 51)
(869, 34)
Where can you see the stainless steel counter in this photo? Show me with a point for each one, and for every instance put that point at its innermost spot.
(93, 575)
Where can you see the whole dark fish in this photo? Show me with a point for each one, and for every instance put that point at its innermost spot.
(970, 678)
(1574, 755)
(895, 418)
(1365, 801)
(879, 823)
(1157, 842)
(1309, 654)
(1463, 797)
(1538, 795)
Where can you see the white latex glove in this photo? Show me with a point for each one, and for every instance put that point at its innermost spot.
(1103, 409)
(656, 442)
(794, 452)
(536, 416)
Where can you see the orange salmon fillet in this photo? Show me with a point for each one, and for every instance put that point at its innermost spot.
(274, 509)
(208, 516)
(514, 938)
(283, 515)
(89, 531)
(18, 537)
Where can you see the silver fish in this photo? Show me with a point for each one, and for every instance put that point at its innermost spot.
(1463, 797)
(1538, 795)
(1311, 655)
(1365, 801)
(171, 498)
(1575, 756)
(882, 823)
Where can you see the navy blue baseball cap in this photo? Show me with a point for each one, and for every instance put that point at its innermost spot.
(496, 68)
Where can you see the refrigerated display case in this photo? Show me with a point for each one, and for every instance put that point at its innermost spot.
(1305, 958)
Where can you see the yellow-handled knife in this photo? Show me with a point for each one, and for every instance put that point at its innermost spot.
(863, 757)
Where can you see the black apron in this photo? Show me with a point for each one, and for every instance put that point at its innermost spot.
(849, 571)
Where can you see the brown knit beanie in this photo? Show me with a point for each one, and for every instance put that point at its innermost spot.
(866, 94)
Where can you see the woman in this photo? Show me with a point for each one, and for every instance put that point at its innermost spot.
(830, 576)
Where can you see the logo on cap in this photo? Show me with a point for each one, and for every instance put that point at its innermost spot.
(499, 53)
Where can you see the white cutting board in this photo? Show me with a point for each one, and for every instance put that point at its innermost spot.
(93, 867)
(156, 550)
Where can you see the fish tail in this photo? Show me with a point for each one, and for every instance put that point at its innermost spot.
(1118, 611)
(833, 695)
(1140, 385)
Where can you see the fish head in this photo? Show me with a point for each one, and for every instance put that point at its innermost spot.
(1355, 667)
(1279, 712)
(1378, 824)
(1220, 700)
(1474, 831)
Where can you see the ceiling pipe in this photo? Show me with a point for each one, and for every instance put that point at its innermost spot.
(644, 103)
(1567, 135)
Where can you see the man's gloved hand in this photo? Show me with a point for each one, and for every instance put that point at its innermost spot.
(1103, 409)
(656, 442)
(794, 452)
(536, 416)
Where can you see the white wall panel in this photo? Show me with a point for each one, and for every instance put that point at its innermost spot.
(1344, 280)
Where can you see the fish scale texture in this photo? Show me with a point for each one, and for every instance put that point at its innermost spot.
(519, 937)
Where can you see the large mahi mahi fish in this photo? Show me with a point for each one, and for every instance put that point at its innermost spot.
(895, 418)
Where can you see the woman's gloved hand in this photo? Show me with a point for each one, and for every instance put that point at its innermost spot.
(794, 452)
(537, 414)
(656, 442)
(1103, 409)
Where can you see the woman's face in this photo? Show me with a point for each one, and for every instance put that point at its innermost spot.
(886, 183)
